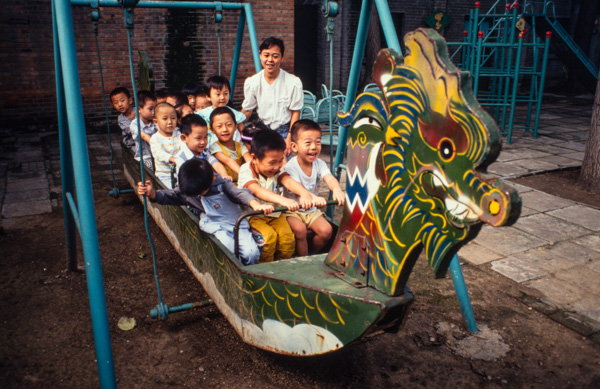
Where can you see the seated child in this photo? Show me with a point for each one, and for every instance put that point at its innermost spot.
(308, 169)
(161, 95)
(176, 99)
(230, 153)
(249, 130)
(123, 103)
(262, 176)
(146, 104)
(202, 100)
(183, 110)
(219, 90)
(194, 138)
(216, 200)
(190, 89)
(166, 142)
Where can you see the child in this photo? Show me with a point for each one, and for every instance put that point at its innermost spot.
(190, 89)
(183, 110)
(262, 176)
(194, 138)
(274, 93)
(202, 100)
(230, 153)
(249, 130)
(308, 169)
(166, 142)
(161, 95)
(176, 99)
(146, 104)
(219, 90)
(216, 200)
(123, 103)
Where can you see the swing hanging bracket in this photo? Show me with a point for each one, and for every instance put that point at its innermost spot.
(218, 14)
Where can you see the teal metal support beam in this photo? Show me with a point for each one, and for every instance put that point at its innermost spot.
(387, 24)
(461, 293)
(237, 51)
(83, 184)
(252, 35)
(540, 92)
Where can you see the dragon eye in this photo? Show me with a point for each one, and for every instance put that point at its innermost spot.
(367, 121)
(447, 149)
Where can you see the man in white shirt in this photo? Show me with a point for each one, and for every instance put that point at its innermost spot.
(275, 94)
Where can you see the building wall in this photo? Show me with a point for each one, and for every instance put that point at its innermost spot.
(27, 80)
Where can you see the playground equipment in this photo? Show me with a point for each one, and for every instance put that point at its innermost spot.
(504, 51)
(376, 303)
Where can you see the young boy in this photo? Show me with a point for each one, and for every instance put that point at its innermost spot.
(216, 200)
(194, 138)
(276, 94)
(161, 95)
(230, 153)
(262, 176)
(166, 142)
(123, 103)
(308, 169)
(146, 104)
(219, 90)
(202, 100)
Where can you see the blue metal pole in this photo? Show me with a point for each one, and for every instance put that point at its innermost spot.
(515, 88)
(387, 24)
(83, 183)
(540, 93)
(163, 4)
(66, 163)
(357, 59)
(252, 36)
(238, 49)
(463, 296)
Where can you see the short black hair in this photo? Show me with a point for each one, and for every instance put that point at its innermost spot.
(202, 90)
(303, 125)
(195, 176)
(144, 96)
(164, 104)
(179, 97)
(264, 141)
(187, 122)
(252, 128)
(162, 93)
(272, 41)
(190, 88)
(220, 111)
(217, 82)
(120, 89)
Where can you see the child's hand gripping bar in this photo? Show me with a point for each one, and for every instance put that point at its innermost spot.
(236, 229)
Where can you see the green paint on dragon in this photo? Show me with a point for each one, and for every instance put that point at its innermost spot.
(417, 154)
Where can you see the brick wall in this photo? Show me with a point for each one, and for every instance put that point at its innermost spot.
(27, 81)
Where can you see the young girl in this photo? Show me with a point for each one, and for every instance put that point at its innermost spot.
(249, 130)
(166, 143)
(230, 153)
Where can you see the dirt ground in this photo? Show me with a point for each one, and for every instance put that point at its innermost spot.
(47, 340)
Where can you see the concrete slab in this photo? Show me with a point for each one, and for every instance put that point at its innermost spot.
(583, 277)
(517, 269)
(549, 228)
(25, 185)
(589, 307)
(591, 241)
(527, 211)
(26, 209)
(507, 240)
(549, 148)
(577, 146)
(477, 254)
(548, 261)
(535, 164)
(561, 161)
(578, 155)
(29, 195)
(19, 176)
(520, 188)
(543, 202)
(505, 169)
(581, 215)
(575, 253)
(557, 292)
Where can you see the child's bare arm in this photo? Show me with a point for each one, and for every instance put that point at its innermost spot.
(227, 161)
(306, 198)
(220, 169)
(247, 157)
(271, 197)
(335, 188)
(255, 205)
(147, 190)
(145, 136)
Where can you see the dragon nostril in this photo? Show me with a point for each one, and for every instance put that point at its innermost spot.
(494, 207)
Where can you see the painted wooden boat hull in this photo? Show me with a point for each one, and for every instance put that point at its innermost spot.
(296, 307)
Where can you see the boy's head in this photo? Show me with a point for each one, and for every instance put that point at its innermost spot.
(121, 100)
(306, 140)
(195, 177)
(146, 104)
(271, 55)
(250, 129)
(268, 152)
(218, 90)
(202, 100)
(194, 133)
(165, 118)
(190, 89)
(161, 95)
(176, 99)
(222, 123)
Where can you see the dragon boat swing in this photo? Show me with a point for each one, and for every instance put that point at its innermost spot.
(417, 153)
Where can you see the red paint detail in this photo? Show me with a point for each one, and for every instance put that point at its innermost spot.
(441, 127)
(548, 34)
(507, 6)
(480, 35)
(516, 5)
(477, 4)
(521, 34)
(465, 32)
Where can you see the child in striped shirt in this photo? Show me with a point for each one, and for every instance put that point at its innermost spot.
(166, 142)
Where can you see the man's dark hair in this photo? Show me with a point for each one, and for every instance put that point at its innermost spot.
(120, 89)
(220, 111)
(162, 93)
(187, 122)
(264, 141)
(272, 41)
(217, 82)
(195, 176)
(144, 96)
(252, 128)
(303, 125)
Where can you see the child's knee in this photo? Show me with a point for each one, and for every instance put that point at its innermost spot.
(322, 229)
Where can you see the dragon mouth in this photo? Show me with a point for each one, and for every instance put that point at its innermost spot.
(458, 212)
